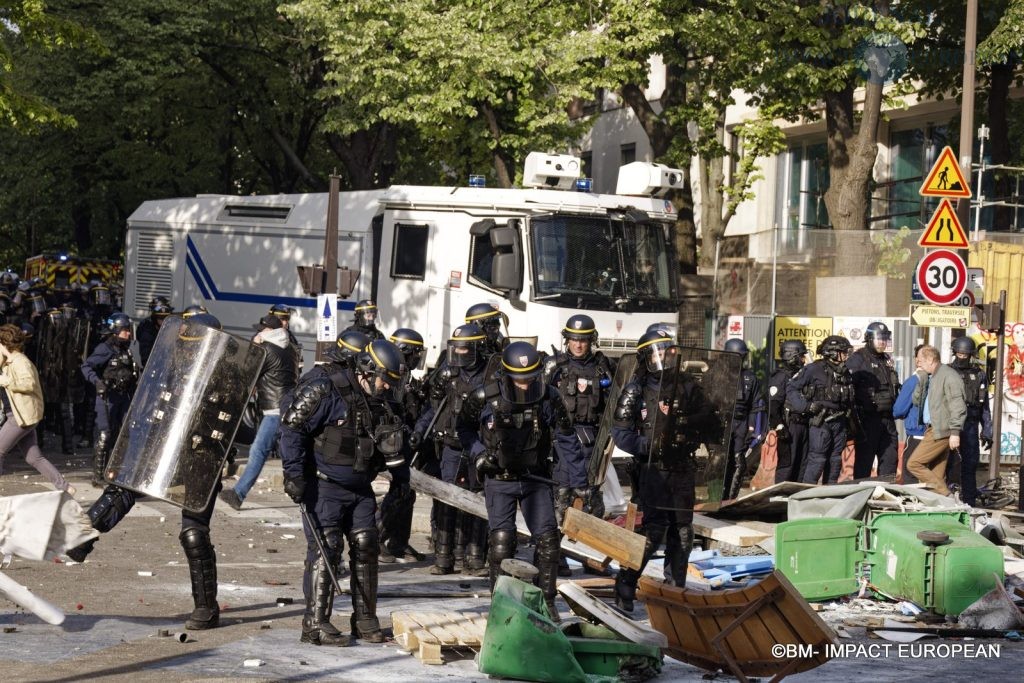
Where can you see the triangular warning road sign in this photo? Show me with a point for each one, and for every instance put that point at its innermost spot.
(945, 178)
(944, 229)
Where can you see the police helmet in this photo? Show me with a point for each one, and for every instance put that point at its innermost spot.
(193, 310)
(668, 328)
(28, 330)
(349, 343)
(876, 330)
(117, 322)
(580, 327)
(366, 313)
(381, 359)
(522, 378)
(160, 311)
(158, 301)
(68, 310)
(410, 343)
(9, 279)
(191, 328)
(653, 348)
(833, 346)
(465, 346)
(963, 345)
(99, 293)
(736, 346)
(55, 315)
(281, 311)
(488, 318)
(792, 350)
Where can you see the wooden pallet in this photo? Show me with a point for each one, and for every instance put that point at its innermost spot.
(425, 633)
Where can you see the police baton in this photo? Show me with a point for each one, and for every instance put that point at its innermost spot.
(315, 530)
(541, 480)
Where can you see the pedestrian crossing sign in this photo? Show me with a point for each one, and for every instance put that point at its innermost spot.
(945, 178)
(944, 229)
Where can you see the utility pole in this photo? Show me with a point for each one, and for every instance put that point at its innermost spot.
(963, 209)
(330, 248)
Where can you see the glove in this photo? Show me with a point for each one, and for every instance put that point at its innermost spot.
(101, 387)
(986, 443)
(295, 488)
(415, 441)
(816, 407)
(486, 464)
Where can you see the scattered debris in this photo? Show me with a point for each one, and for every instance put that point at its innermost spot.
(10, 629)
(994, 610)
(425, 633)
(145, 573)
(271, 550)
(253, 663)
(285, 601)
(287, 537)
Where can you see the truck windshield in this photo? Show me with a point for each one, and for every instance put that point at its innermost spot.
(600, 262)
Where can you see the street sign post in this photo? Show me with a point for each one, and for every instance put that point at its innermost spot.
(940, 316)
(941, 277)
(327, 317)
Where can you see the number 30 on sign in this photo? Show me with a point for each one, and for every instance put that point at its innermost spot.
(942, 276)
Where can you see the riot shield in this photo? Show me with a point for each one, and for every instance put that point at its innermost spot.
(603, 448)
(76, 350)
(50, 358)
(186, 410)
(697, 395)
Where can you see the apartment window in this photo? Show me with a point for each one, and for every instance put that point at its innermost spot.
(806, 179)
(627, 154)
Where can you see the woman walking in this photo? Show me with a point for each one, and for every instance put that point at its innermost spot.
(22, 399)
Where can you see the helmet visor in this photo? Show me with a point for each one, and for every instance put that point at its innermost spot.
(521, 390)
(660, 355)
(462, 354)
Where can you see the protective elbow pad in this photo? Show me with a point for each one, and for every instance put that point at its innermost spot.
(307, 399)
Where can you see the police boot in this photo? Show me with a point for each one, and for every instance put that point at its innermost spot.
(67, 428)
(317, 628)
(625, 581)
(202, 568)
(547, 569)
(363, 554)
(677, 555)
(739, 470)
(99, 457)
(444, 539)
(463, 532)
(502, 546)
(475, 563)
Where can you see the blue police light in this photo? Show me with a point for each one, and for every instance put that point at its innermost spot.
(477, 181)
(584, 184)
(63, 257)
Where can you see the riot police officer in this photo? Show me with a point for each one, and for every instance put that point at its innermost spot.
(455, 431)
(666, 476)
(876, 387)
(365, 320)
(583, 377)
(337, 434)
(56, 366)
(790, 427)
(396, 509)
(520, 419)
(822, 393)
(978, 416)
(112, 371)
(159, 308)
(489, 319)
(748, 421)
(115, 502)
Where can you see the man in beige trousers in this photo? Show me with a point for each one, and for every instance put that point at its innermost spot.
(940, 398)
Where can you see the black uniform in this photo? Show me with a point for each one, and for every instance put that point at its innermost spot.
(790, 428)
(370, 331)
(328, 449)
(584, 384)
(146, 336)
(978, 415)
(748, 429)
(822, 393)
(112, 371)
(515, 441)
(876, 387)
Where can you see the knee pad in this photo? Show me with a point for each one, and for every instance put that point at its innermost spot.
(334, 543)
(503, 544)
(195, 542)
(364, 544)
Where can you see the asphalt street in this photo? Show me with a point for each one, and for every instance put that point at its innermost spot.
(134, 589)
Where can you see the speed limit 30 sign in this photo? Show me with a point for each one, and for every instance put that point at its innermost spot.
(942, 277)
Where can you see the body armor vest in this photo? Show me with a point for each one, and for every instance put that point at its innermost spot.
(458, 390)
(882, 395)
(745, 398)
(975, 391)
(515, 433)
(121, 373)
(579, 383)
(838, 386)
(365, 437)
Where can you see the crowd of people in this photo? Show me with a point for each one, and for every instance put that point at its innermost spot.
(491, 415)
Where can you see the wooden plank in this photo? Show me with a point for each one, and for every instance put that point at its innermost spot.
(430, 653)
(726, 532)
(407, 642)
(581, 601)
(626, 547)
(630, 523)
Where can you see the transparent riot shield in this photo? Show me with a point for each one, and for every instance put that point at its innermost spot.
(75, 352)
(697, 395)
(50, 357)
(185, 412)
(598, 466)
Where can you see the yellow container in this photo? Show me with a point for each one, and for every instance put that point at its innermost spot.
(1003, 264)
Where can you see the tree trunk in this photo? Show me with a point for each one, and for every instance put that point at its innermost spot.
(501, 164)
(686, 227)
(712, 199)
(364, 154)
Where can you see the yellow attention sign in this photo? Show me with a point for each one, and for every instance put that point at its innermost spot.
(944, 229)
(811, 331)
(945, 179)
